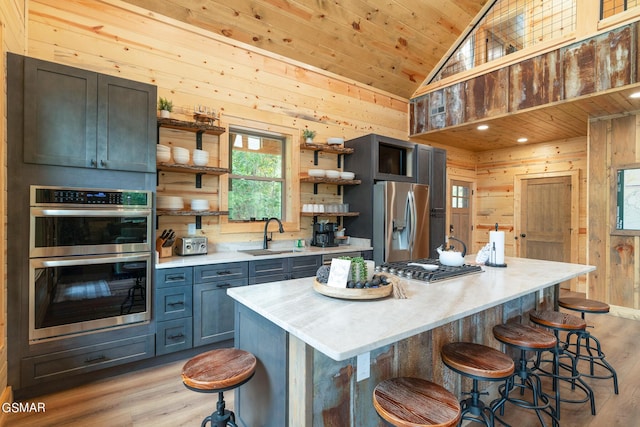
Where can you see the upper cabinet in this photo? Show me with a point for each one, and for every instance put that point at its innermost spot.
(80, 118)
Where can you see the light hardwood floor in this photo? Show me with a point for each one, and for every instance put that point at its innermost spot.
(156, 396)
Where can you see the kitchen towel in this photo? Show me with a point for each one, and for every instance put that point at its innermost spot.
(496, 247)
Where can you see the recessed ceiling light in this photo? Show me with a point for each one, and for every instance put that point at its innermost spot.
(635, 95)
(522, 139)
(483, 127)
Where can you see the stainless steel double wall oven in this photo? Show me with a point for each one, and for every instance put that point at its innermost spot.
(90, 259)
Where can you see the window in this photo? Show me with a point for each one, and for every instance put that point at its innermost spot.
(257, 178)
(459, 196)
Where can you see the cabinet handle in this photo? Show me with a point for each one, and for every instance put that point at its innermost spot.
(103, 163)
(95, 359)
(224, 273)
(93, 162)
(173, 337)
(175, 277)
(223, 285)
(173, 304)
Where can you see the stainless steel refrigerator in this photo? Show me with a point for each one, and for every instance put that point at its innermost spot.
(400, 221)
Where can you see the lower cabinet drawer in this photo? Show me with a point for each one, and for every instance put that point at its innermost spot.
(62, 364)
(174, 335)
(173, 303)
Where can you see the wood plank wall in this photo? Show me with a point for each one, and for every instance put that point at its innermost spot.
(614, 142)
(12, 38)
(194, 67)
(496, 174)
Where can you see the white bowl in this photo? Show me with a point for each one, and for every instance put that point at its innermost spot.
(199, 204)
(316, 172)
(160, 147)
(181, 159)
(163, 156)
(170, 202)
(332, 174)
(180, 151)
(335, 141)
(347, 175)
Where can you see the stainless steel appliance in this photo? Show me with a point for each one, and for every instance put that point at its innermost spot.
(191, 245)
(400, 221)
(90, 259)
(428, 270)
(323, 234)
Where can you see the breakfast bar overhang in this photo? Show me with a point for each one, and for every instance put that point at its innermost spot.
(320, 357)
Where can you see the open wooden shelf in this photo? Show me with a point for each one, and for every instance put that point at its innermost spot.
(178, 212)
(330, 213)
(325, 180)
(196, 127)
(327, 148)
(184, 168)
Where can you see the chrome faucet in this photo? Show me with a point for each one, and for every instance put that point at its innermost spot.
(266, 240)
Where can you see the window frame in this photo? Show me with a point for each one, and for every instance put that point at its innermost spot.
(291, 215)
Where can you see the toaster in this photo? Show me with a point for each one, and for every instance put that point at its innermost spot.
(192, 245)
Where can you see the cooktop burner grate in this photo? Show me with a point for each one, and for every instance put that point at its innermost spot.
(442, 272)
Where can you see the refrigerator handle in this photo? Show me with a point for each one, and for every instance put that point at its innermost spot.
(412, 220)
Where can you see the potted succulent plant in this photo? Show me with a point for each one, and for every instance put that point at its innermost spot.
(308, 135)
(165, 106)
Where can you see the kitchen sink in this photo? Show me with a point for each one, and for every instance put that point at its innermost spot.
(264, 251)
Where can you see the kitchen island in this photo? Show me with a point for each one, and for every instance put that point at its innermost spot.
(321, 357)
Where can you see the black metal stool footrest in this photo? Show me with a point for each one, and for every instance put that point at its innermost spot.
(540, 402)
(585, 342)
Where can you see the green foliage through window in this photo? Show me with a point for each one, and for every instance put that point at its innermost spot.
(256, 185)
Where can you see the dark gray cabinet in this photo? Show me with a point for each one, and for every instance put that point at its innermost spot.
(432, 170)
(275, 269)
(173, 302)
(79, 118)
(212, 307)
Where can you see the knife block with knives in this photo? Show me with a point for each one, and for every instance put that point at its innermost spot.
(164, 243)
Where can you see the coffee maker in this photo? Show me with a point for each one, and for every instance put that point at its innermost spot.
(323, 234)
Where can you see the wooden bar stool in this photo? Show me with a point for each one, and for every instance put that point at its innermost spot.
(584, 340)
(217, 371)
(477, 362)
(414, 402)
(525, 338)
(558, 322)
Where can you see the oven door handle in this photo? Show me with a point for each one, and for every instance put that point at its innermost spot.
(89, 260)
(89, 212)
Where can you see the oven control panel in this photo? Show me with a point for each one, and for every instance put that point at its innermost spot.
(76, 196)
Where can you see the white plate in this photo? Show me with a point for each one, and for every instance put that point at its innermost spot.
(335, 141)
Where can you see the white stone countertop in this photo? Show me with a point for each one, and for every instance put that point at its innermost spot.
(342, 329)
(233, 255)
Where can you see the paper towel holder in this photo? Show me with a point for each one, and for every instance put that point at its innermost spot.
(492, 252)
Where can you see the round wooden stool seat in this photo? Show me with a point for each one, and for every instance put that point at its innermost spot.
(557, 320)
(218, 370)
(524, 336)
(414, 402)
(583, 305)
(476, 360)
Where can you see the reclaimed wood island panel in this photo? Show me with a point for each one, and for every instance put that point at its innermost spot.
(320, 358)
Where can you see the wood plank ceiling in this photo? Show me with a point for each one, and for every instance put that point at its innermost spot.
(391, 45)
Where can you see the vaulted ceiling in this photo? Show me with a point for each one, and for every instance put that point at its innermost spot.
(389, 44)
(392, 45)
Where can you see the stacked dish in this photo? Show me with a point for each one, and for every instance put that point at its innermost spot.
(163, 153)
(316, 172)
(170, 202)
(199, 204)
(335, 141)
(180, 155)
(200, 157)
(347, 175)
(332, 173)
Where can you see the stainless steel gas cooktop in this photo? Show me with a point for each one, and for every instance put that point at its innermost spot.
(428, 270)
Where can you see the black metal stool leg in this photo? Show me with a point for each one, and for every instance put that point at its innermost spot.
(595, 357)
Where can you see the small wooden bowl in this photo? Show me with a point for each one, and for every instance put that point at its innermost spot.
(352, 293)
